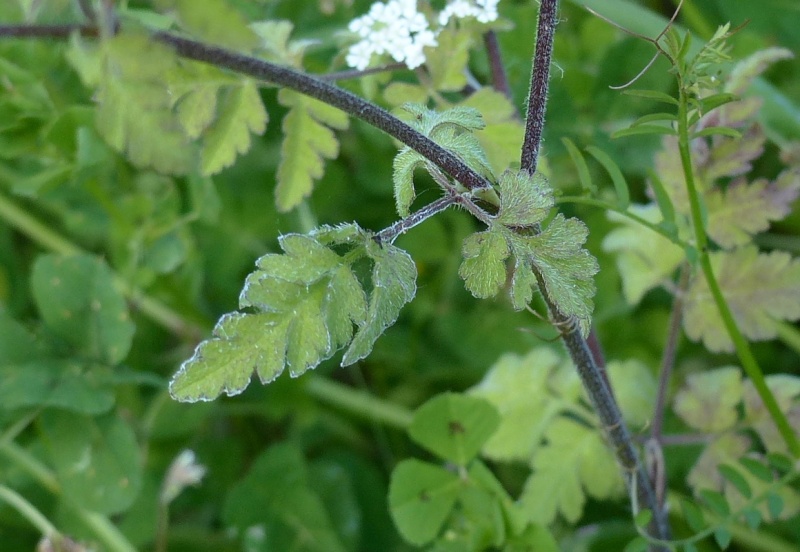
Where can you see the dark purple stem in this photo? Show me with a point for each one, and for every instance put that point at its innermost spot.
(499, 77)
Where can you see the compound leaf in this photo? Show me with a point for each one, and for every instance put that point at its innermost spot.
(214, 21)
(421, 497)
(241, 112)
(394, 283)
(710, 399)
(760, 289)
(308, 140)
(454, 427)
(483, 268)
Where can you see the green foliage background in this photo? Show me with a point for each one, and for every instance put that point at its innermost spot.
(89, 341)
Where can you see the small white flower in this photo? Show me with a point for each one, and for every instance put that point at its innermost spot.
(395, 28)
(183, 472)
(484, 11)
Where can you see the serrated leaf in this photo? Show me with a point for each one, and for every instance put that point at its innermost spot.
(240, 113)
(742, 210)
(76, 386)
(96, 460)
(709, 401)
(454, 427)
(421, 497)
(525, 415)
(308, 140)
(644, 258)
(525, 200)
(483, 268)
(214, 21)
(134, 113)
(79, 301)
(394, 283)
(759, 288)
(575, 462)
(566, 268)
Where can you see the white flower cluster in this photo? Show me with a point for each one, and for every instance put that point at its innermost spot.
(395, 28)
(482, 10)
(398, 29)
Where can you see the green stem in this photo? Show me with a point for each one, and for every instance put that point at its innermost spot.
(103, 529)
(29, 512)
(749, 363)
(359, 403)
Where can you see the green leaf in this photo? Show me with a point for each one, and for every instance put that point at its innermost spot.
(645, 259)
(394, 277)
(644, 130)
(716, 502)
(655, 117)
(775, 505)
(308, 140)
(79, 301)
(134, 113)
(580, 166)
(736, 479)
(575, 462)
(709, 401)
(96, 460)
(639, 544)
(17, 344)
(503, 134)
(525, 200)
(240, 113)
(717, 131)
(536, 538)
(421, 497)
(454, 427)
(643, 518)
(723, 537)
(742, 210)
(752, 517)
(213, 21)
(566, 268)
(635, 389)
(693, 515)
(77, 386)
(524, 414)
(483, 268)
(652, 95)
(309, 300)
(617, 178)
(757, 468)
(276, 496)
(447, 62)
(760, 288)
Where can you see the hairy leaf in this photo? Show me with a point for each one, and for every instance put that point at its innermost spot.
(483, 268)
(525, 200)
(454, 427)
(308, 141)
(645, 259)
(394, 277)
(760, 288)
(502, 136)
(710, 399)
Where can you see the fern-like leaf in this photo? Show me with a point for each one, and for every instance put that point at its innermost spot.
(308, 141)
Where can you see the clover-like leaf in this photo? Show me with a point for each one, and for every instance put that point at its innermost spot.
(525, 199)
(394, 283)
(453, 426)
(760, 288)
(308, 140)
(483, 268)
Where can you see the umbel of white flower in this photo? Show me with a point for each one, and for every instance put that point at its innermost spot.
(396, 28)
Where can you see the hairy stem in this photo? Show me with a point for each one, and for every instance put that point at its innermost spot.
(390, 233)
(746, 357)
(593, 379)
(499, 77)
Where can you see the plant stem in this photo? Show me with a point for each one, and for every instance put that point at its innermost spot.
(499, 77)
(592, 377)
(29, 512)
(390, 233)
(359, 403)
(746, 357)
